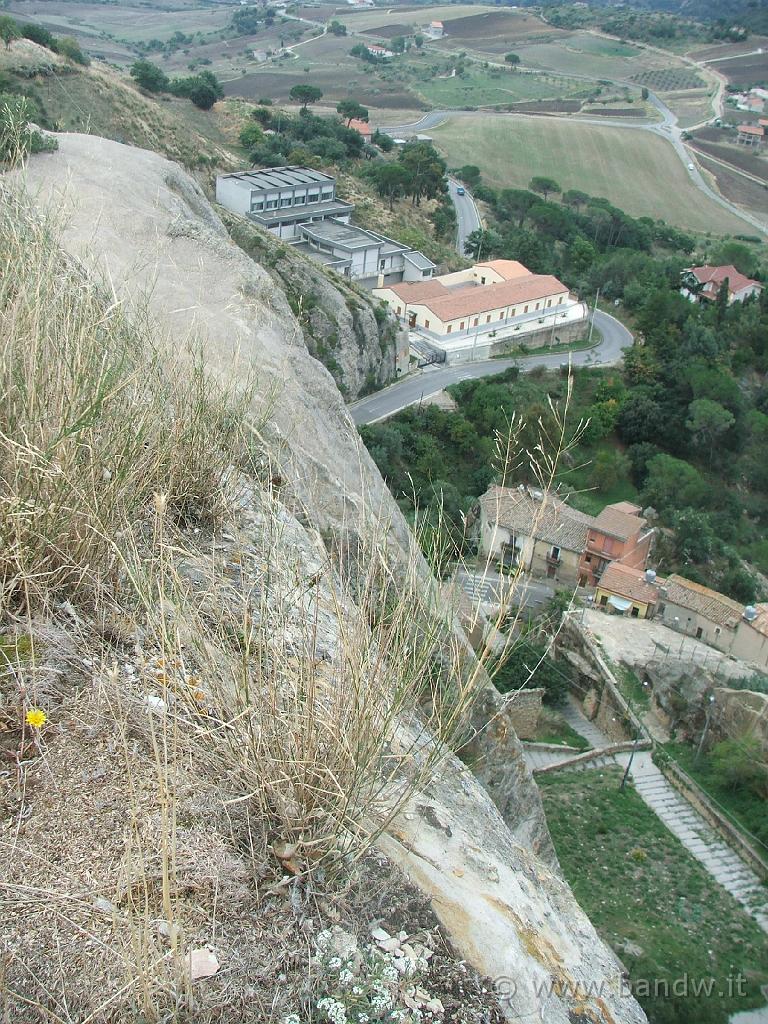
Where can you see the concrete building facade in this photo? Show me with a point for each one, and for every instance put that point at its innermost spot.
(481, 300)
(282, 199)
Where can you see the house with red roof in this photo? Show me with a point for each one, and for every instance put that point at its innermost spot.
(362, 127)
(482, 299)
(750, 135)
(702, 284)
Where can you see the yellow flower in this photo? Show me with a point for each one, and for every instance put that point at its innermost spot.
(36, 717)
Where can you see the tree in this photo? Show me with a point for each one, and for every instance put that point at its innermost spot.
(251, 136)
(352, 110)
(398, 44)
(573, 197)
(740, 764)
(9, 30)
(69, 47)
(609, 466)
(736, 254)
(426, 169)
(694, 535)
(512, 59)
(392, 182)
(707, 422)
(383, 141)
(544, 186)
(674, 484)
(149, 76)
(469, 174)
(418, 40)
(305, 94)
(529, 665)
(739, 584)
(202, 95)
(336, 28)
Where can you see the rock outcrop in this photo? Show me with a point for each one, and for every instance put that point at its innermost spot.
(149, 228)
(349, 331)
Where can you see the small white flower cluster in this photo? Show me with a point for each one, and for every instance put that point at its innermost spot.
(335, 1011)
(375, 984)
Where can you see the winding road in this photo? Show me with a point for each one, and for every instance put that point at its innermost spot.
(414, 389)
(667, 129)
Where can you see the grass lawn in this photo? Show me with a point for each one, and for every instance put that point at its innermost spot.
(637, 171)
(582, 53)
(553, 728)
(653, 902)
(743, 808)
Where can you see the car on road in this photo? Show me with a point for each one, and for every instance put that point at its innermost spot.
(460, 191)
(691, 167)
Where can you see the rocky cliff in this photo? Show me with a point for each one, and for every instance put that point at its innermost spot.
(349, 331)
(485, 863)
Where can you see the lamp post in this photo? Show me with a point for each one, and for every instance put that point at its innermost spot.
(592, 318)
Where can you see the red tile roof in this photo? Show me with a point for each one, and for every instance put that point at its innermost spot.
(617, 522)
(697, 598)
(361, 126)
(629, 583)
(452, 303)
(751, 129)
(713, 277)
(510, 270)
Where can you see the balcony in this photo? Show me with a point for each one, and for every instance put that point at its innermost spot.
(554, 560)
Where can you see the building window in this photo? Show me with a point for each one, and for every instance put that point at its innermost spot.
(448, 329)
(549, 303)
(286, 202)
(482, 280)
(461, 326)
(525, 310)
(488, 318)
(477, 321)
(312, 197)
(426, 323)
(717, 631)
(635, 612)
(271, 204)
(699, 633)
(327, 194)
(299, 200)
(501, 315)
(257, 204)
(382, 264)
(603, 600)
(537, 305)
(399, 309)
(513, 312)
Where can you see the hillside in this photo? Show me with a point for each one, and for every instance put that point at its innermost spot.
(192, 664)
(98, 100)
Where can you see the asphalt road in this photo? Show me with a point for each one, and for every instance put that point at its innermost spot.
(432, 379)
(467, 217)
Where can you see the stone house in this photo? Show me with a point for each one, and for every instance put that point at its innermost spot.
(627, 591)
(618, 534)
(533, 531)
(696, 610)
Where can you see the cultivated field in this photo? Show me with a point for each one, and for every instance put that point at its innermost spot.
(637, 171)
(743, 72)
(122, 22)
(491, 88)
(734, 186)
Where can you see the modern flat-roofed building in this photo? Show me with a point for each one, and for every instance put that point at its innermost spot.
(364, 256)
(281, 199)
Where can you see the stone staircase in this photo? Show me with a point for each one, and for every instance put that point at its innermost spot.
(698, 837)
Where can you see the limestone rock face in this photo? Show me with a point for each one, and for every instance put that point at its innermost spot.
(151, 231)
(349, 331)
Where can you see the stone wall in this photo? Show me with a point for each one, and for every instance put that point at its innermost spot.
(569, 332)
(524, 708)
(739, 712)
